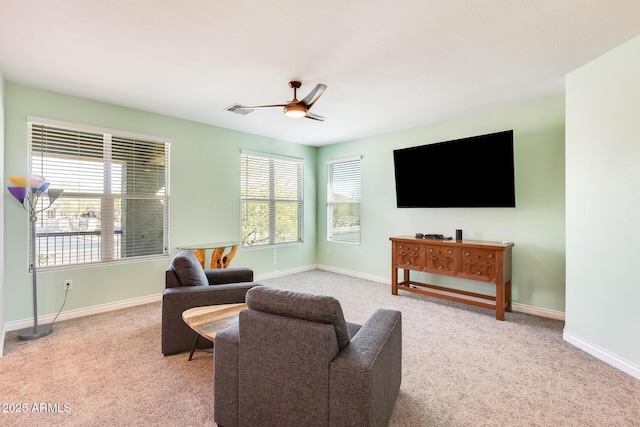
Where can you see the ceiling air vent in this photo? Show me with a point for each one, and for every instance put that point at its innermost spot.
(239, 109)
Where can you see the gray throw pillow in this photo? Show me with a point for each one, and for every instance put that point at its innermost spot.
(315, 308)
(188, 269)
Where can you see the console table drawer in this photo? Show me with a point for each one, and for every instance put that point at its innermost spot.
(410, 256)
(441, 260)
(479, 264)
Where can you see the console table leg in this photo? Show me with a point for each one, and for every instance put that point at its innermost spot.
(216, 258)
(200, 253)
(227, 259)
(394, 281)
(500, 294)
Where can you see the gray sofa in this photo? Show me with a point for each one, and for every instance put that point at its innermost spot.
(292, 360)
(188, 285)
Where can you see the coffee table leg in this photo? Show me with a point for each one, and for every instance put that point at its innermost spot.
(193, 346)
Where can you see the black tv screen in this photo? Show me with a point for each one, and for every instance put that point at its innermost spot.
(472, 172)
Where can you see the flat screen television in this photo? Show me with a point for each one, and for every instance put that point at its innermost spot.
(475, 172)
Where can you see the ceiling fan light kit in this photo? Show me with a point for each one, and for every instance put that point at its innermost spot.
(295, 111)
(294, 108)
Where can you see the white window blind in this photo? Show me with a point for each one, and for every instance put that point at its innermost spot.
(343, 201)
(115, 200)
(271, 198)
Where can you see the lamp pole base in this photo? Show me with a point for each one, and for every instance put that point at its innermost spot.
(35, 333)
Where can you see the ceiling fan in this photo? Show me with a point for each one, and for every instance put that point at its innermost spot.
(294, 108)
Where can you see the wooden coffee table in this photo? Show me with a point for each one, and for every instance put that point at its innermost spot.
(208, 320)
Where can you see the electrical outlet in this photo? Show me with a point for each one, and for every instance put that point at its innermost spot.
(68, 284)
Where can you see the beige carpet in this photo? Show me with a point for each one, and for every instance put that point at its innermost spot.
(461, 367)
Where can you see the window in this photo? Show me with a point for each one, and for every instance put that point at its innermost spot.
(115, 203)
(271, 197)
(343, 201)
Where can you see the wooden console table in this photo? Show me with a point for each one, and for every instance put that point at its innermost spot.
(218, 259)
(467, 259)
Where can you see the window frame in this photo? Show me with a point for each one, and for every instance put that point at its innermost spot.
(331, 164)
(106, 197)
(272, 201)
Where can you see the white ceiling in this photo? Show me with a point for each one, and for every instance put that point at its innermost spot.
(388, 64)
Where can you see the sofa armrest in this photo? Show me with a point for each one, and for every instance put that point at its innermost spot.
(192, 292)
(226, 376)
(365, 376)
(229, 275)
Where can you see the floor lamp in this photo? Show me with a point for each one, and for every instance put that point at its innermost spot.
(28, 191)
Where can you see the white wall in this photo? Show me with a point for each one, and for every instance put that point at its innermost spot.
(603, 207)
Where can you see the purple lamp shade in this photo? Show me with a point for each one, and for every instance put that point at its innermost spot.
(20, 193)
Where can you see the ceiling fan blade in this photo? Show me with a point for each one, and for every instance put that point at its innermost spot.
(312, 116)
(313, 96)
(262, 107)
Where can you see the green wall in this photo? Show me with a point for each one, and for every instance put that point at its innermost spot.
(205, 202)
(536, 225)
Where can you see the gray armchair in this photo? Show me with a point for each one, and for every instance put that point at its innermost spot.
(188, 285)
(292, 360)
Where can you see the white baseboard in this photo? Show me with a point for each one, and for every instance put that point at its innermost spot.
(103, 308)
(4, 334)
(81, 312)
(521, 308)
(357, 274)
(538, 311)
(602, 354)
(280, 273)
